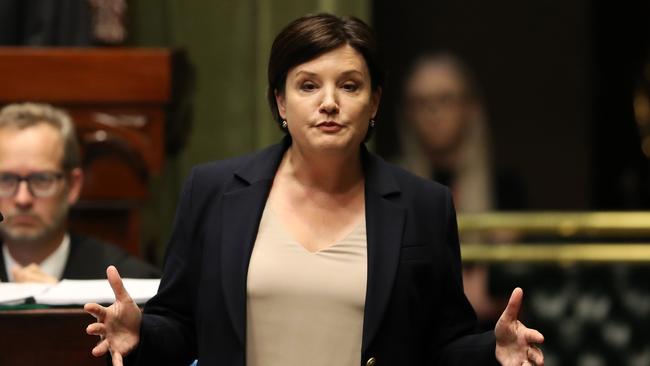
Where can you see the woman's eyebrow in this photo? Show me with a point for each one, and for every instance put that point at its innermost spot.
(344, 73)
(352, 72)
(306, 73)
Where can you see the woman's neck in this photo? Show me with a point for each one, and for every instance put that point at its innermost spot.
(337, 172)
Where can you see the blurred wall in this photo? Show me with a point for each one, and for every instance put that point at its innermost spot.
(227, 43)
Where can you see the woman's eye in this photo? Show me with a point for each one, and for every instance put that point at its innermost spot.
(350, 87)
(308, 86)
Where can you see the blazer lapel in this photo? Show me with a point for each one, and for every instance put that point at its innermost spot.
(385, 224)
(241, 215)
(241, 212)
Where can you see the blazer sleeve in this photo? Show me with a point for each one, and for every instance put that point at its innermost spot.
(461, 346)
(167, 332)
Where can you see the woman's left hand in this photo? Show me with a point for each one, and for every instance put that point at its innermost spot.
(517, 344)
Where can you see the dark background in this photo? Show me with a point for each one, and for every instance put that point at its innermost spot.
(557, 79)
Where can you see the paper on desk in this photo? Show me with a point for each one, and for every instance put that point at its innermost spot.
(12, 293)
(79, 292)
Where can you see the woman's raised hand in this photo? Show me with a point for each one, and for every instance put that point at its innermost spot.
(517, 344)
(118, 325)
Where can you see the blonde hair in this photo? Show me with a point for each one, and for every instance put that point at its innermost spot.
(24, 115)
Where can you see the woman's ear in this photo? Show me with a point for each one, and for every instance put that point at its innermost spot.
(375, 98)
(281, 103)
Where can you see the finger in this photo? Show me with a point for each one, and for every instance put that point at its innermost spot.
(117, 358)
(536, 355)
(96, 310)
(32, 267)
(35, 272)
(36, 275)
(533, 336)
(31, 273)
(49, 279)
(100, 349)
(511, 313)
(97, 329)
(115, 281)
(17, 272)
(24, 275)
(29, 276)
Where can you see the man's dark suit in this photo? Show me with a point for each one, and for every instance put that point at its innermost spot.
(89, 258)
(415, 313)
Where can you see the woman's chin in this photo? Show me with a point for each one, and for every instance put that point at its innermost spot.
(333, 142)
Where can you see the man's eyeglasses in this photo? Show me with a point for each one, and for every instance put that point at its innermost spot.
(41, 184)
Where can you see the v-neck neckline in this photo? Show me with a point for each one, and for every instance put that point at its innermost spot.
(276, 220)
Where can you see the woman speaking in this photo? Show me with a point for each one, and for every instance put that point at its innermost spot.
(312, 251)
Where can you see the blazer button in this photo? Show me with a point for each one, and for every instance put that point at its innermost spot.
(371, 362)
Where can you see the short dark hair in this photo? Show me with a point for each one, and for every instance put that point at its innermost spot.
(310, 36)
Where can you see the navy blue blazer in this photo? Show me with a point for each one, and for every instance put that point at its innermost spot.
(415, 312)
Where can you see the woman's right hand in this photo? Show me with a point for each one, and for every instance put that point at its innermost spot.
(118, 325)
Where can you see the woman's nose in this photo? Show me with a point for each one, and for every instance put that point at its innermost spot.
(329, 104)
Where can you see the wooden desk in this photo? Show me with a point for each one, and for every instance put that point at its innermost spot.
(50, 337)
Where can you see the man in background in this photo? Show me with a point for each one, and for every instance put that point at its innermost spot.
(40, 178)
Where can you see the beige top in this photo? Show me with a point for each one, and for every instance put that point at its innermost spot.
(305, 308)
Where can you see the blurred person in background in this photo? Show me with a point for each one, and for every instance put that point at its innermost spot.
(40, 178)
(445, 138)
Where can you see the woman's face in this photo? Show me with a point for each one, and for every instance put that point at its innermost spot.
(437, 106)
(328, 101)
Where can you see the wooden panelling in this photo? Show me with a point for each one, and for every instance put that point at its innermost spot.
(54, 337)
(85, 75)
